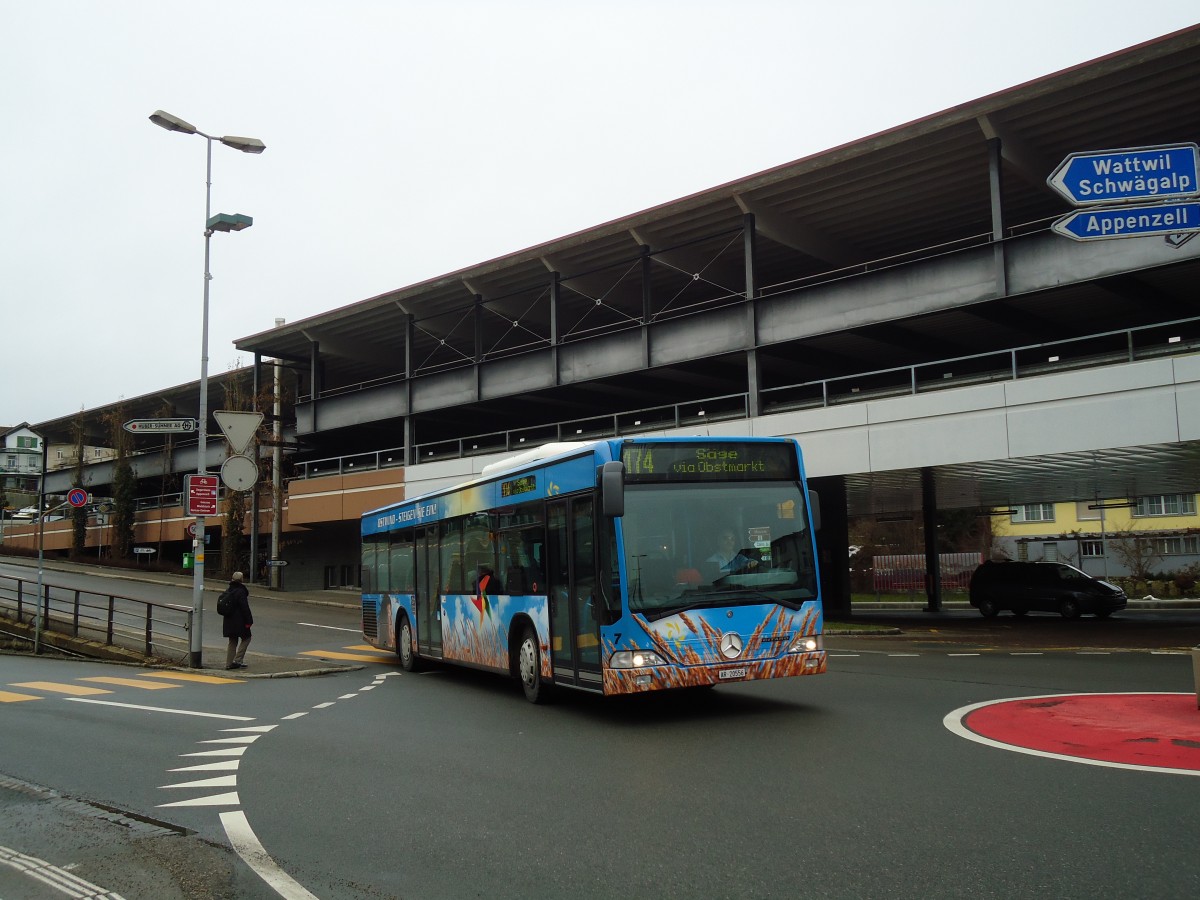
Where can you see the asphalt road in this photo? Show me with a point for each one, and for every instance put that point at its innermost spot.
(371, 783)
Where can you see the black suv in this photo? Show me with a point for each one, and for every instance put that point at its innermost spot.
(1042, 587)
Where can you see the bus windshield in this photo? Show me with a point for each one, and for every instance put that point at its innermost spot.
(703, 545)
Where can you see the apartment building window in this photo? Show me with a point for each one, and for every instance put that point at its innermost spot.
(97, 452)
(1091, 548)
(1166, 505)
(1023, 552)
(1034, 512)
(1177, 546)
(1083, 514)
(62, 455)
(1050, 552)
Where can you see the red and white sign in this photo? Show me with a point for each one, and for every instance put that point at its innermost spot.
(201, 493)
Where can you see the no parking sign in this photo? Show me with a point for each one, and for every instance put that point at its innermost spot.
(77, 497)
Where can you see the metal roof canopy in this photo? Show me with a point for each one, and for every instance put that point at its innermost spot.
(916, 186)
(890, 195)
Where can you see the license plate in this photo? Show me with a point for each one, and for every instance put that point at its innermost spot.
(739, 672)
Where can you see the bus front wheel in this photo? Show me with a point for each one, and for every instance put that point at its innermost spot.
(529, 668)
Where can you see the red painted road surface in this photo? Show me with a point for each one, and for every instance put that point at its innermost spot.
(1159, 731)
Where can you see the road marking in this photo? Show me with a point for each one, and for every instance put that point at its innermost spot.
(229, 799)
(59, 879)
(56, 688)
(224, 751)
(188, 676)
(247, 846)
(11, 697)
(1025, 653)
(323, 705)
(295, 716)
(963, 654)
(224, 765)
(1094, 729)
(162, 709)
(331, 627)
(241, 739)
(904, 654)
(131, 682)
(217, 781)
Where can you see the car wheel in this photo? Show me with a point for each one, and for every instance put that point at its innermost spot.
(988, 609)
(529, 668)
(404, 646)
(1069, 608)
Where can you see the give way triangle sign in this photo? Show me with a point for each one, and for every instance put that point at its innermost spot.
(239, 428)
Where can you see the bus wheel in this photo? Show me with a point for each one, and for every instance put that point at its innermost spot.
(529, 668)
(404, 646)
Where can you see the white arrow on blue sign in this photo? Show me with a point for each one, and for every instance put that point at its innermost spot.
(1167, 172)
(1130, 221)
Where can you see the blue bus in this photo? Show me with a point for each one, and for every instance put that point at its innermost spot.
(616, 566)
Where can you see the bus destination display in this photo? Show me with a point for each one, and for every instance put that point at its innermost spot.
(725, 461)
(523, 485)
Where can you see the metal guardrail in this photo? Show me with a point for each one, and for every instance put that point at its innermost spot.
(156, 630)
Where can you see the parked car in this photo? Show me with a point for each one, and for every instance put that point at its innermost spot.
(1042, 587)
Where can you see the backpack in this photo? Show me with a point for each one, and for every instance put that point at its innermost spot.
(225, 602)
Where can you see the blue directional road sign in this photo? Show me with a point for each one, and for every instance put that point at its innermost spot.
(1130, 221)
(1168, 172)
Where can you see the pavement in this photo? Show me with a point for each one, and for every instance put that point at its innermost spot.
(259, 665)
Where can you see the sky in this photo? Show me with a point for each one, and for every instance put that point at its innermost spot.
(405, 140)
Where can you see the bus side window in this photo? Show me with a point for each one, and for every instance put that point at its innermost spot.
(402, 575)
(368, 566)
(450, 554)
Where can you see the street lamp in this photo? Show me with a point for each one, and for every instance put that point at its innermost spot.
(219, 222)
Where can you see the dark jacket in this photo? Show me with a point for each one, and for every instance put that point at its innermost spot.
(238, 622)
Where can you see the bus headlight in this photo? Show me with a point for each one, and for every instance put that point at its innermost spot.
(806, 643)
(635, 659)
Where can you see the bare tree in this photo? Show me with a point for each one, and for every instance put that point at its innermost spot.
(1135, 551)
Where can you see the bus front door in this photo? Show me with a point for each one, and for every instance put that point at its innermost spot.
(429, 624)
(574, 622)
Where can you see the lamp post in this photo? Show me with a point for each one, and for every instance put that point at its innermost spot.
(220, 222)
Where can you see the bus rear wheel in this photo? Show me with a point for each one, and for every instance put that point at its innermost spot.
(404, 646)
(529, 668)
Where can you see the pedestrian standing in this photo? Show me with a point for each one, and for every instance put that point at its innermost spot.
(236, 623)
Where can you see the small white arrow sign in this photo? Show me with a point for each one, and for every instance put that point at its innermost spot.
(239, 428)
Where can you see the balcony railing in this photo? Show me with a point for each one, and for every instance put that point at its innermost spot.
(1108, 348)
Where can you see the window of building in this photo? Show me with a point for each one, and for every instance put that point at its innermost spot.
(97, 452)
(1083, 514)
(1091, 548)
(1050, 552)
(1023, 552)
(1034, 512)
(1166, 505)
(1177, 546)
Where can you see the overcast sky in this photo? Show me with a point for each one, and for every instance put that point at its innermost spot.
(409, 139)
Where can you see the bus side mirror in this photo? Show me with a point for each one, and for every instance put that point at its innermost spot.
(612, 489)
(814, 506)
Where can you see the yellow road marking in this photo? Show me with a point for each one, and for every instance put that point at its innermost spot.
(188, 676)
(55, 688)
(132, 682)
(10, 697)
(354, 657)
(368, 648)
